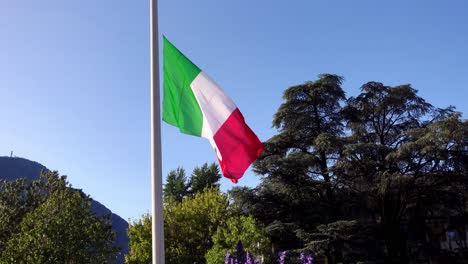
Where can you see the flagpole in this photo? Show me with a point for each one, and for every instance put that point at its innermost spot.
(156, 167)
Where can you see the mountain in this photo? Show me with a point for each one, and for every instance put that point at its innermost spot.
(12, 168)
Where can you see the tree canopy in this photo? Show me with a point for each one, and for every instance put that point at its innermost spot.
(139, 233)
(385, 159)
(380, 177)
(178, 186)
(238, 228)
(189, 227)
(47, 221)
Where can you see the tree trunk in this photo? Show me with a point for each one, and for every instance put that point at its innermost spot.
(394, 237)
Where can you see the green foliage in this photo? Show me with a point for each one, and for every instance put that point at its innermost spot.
(193, 210)
(350, 179)
(197, 227)
(188, 229)
(176, 187)
(203, 177)
(191, 224)
(344, 240)
(385, 158)
(139, 233)
(243, 228)
(400, 159)
(17, 198)
(58, 228)
(300, 187)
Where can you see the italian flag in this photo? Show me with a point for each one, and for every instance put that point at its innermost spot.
(195, 104)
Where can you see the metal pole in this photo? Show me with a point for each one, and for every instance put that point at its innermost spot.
(156, 168)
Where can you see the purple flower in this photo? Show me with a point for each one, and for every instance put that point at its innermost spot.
(241, 256)
(282, 257)
(228, 258)
(248, 258)
(306, 259)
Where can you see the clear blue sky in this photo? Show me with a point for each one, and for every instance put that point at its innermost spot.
(74, 75)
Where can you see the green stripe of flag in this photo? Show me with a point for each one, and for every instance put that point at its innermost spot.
(180, 108)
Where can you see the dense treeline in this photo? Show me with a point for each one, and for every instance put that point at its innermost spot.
(361, 178)
(200, 225)
(376, 178)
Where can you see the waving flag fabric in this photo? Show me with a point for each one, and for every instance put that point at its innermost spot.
(195, 104)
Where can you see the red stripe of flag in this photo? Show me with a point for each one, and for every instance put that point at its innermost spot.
(238, 146)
